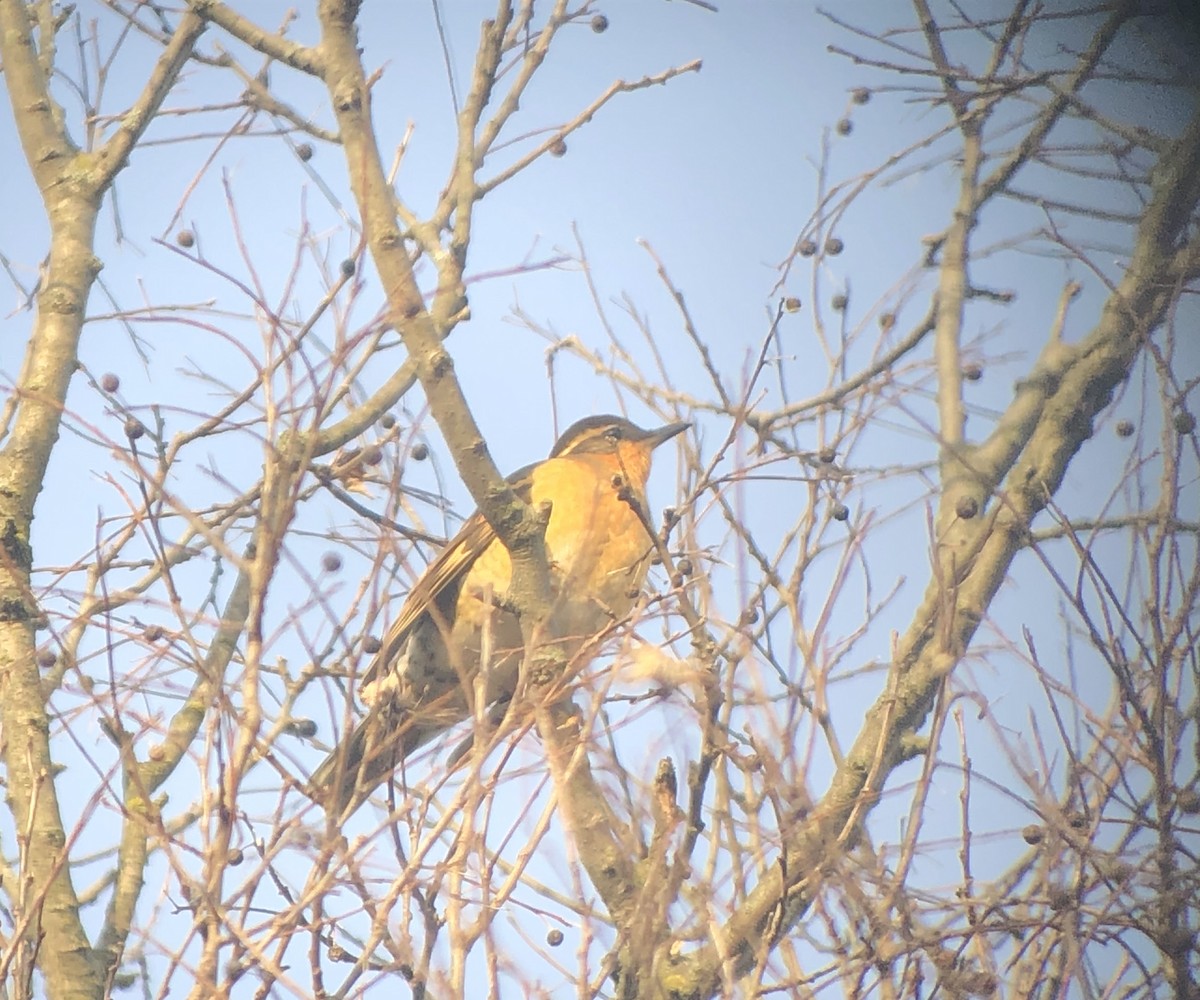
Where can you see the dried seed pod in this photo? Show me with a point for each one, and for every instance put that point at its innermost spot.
(1060, 898)
(304, 728)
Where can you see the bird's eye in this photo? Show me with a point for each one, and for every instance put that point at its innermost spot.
(613, 434)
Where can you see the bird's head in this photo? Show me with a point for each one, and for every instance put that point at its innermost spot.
(630, 446)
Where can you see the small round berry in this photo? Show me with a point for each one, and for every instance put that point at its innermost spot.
(1178, 941)
(966, 508)
(348, 267)
(685, 566)
(152, 633)
(46, 658)
(1121, 871)
(420, 451)
(236, 856)
(304, 151)
(331, 562)
(860, 95)
(110, 382)
(134, 428)
(185, 238)
(371, 645)
(558, 147)
(1125, 428)
(554, 937)
(749, 616)
(791, 304)
(1033, 834)
(372, 455)
(304, 728)
(1189, 801)
(807, 248)
(839, 303)
(845, 126)
(834, 246)
(387, 421)
(826, 456)
(1184, 422)
(972, 371)
(839, 512)
(887, 321)
(599, 24)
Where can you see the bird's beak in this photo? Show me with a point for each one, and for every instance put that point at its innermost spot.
(657, 437)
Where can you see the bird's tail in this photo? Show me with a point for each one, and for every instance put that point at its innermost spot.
(378, 745)
(361, 762)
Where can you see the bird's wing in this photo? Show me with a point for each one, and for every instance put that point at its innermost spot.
(388, 732)
(442, 577)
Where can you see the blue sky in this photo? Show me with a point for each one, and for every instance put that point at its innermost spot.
(718, 171)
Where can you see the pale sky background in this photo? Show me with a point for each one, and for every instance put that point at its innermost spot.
(717, 171)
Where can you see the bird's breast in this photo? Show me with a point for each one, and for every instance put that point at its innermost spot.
(598, 548)
(595, 539)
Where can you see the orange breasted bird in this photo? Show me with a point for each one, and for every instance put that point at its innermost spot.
(427, 673)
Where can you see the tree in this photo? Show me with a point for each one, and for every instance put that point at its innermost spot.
(911, 703)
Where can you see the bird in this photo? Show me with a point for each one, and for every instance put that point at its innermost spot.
(428, 673)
